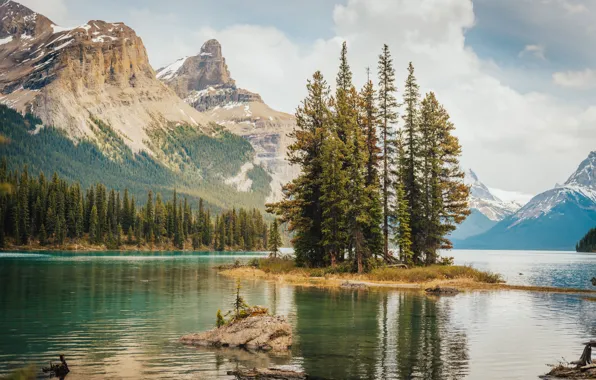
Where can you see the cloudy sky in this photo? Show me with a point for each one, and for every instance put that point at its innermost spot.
(517, 76)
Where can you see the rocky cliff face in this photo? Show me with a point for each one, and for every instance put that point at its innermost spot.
(205, 83)
(74, 78)
(204, 80)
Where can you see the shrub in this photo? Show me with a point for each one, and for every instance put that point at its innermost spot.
(446, 260)
(254, 263)
(220, 319)
(276, 266)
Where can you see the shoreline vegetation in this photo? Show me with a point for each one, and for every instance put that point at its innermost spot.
(85, 247)
(462, 278)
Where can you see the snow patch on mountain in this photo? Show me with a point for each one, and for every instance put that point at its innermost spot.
(483, 200)
(170, 71)
(580, 189)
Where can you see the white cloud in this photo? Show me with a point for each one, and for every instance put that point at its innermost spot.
(585, 79)
(522, 141)
(511, 196)
(573, 7)
(534, 50)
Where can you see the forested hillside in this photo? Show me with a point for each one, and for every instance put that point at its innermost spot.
(39, 211)
(197, 164)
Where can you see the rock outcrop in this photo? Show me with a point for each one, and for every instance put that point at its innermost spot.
(205, 83)
(258, 333)
(73, 77)
(204, 80)
(439, 290)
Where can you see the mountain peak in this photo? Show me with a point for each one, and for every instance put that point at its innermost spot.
(477, 188)
(211, 49)
(204, 80)
(585, 175)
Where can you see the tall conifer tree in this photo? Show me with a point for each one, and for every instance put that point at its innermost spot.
(387, 118)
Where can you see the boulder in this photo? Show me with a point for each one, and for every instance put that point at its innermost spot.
(438, 290)
(259, 333)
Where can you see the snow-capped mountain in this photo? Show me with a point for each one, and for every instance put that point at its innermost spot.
(487, 209)
(483, 200)
(554, 219)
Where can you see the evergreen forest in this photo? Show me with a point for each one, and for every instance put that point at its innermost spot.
(376, 173)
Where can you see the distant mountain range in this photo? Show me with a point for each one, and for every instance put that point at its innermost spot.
(487, 209)
(92, 92)
(553, 220)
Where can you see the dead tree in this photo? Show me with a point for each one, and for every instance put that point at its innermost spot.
(586, 358)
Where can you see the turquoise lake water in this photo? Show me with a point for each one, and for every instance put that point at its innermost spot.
(119, 316)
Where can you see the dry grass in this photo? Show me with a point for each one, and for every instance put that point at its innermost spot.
(459, 277)
(432, 273)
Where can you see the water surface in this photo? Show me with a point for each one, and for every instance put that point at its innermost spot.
(119, 316)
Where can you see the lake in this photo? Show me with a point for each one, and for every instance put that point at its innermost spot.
(119, 315)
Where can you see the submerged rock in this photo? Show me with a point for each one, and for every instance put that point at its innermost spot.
(353, 285)
(441, 291)
(259, 333)
(269, 373)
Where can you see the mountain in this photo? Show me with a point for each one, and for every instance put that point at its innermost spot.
(91, 90)
(487, 209)
(205, 83)
(70, 76)
(553, 220)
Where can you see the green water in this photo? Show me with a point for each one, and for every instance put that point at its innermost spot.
(118, 316)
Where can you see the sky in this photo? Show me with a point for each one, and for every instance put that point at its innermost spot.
(518, 77)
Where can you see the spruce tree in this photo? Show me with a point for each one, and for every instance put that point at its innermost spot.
(411, 160)
(274, 239)
(387, 118)
(301, 206)
(334, 199)
(373, 233)
(445, 194)
(93, 226)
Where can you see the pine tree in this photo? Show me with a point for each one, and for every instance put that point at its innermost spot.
(410, 162)
(119, 235)
(149, 218)
(446, 195)
(274, 239)
(301, 206)
(387, 118)
(23, 208)
(334, 200)
(43, 236)
(126, 221)
(160, 218)
(402, 230)
(373, 233)
(93, 226)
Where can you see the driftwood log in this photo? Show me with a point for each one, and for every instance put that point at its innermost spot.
(269, 373)
(586, 358)
(579, 369)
